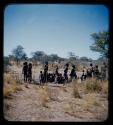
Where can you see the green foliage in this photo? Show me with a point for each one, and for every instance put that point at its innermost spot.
(101, 43)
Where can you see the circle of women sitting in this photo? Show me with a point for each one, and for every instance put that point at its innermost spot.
(57, 77)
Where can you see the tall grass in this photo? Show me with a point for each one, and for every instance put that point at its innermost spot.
(46, 95)
(9, 85)
(97, 86)
(93, 85)
(75, 86)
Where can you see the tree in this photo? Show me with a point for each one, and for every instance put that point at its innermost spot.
(101, 43)
(54, 57)
(24, 56)
(38, 55)
(72, 56)
(84, 59)
(18, 53)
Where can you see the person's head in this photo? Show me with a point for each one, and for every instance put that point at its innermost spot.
(25, 63)
(67, 64)
(96, 66)
(41, 72)
(91, 64)
(73, 66)
(104, 63)
(30, 65)
(46, 63)
(83, 71)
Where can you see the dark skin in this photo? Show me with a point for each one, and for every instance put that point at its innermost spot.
(24, 71)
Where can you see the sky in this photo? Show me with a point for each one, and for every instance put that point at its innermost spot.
(54, 28)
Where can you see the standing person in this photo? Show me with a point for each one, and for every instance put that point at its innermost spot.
(96, 72)
(56, 72)
(45, 72)
(41, 78)
(30, 72)
(25, 71)
(73, 73)
(65, 73)
(104, 71)
(91, 70)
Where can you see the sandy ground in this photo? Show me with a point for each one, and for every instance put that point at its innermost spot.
(28, 104)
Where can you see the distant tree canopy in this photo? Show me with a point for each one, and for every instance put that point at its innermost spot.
(18, 53)
(38, 55)
(72, 56)
(54, 57)
(101, 43)
(84, 59)
(42, 57)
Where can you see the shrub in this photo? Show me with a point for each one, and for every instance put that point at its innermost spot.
(93, 85)
(10, 85)
(75, 90)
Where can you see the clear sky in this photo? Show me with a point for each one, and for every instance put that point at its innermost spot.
(54, 28)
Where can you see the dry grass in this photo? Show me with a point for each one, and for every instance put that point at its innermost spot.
(93, 85)
(63, 89)
(75, 86)
(68, 108)
(44, 97)
(105, 87)
(90, 102)
(9, 85)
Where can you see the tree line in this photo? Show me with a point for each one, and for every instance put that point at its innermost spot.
(101, 45)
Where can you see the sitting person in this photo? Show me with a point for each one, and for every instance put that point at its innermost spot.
(89, 73)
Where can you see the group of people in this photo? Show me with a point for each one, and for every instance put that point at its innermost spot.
(93, 71)
(57, 77)
(27, 71)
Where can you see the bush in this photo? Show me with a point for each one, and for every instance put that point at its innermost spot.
(9, 85)
(93, 85)
(75, 90)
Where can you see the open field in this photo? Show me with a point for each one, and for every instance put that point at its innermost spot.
(76, 101)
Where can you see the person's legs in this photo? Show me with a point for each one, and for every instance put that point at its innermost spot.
(25, 77)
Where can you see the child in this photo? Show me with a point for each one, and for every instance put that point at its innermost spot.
(83, 77)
